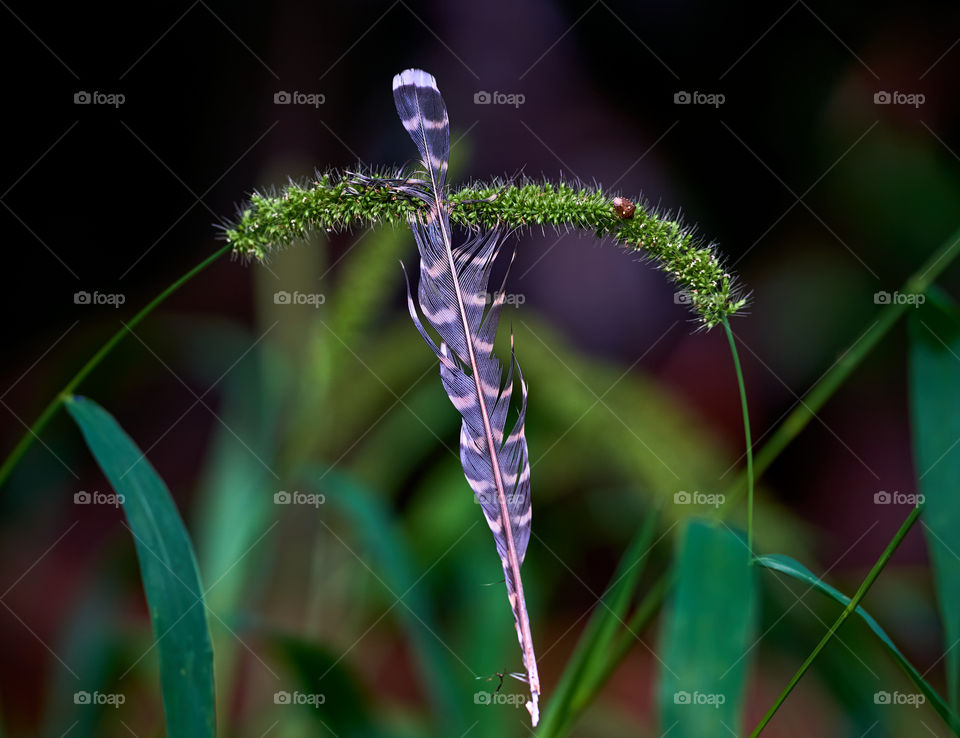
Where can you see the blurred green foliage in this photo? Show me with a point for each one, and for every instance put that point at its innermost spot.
(375, 603)
(384, 598)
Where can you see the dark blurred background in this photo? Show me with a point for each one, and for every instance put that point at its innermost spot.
(818, 195)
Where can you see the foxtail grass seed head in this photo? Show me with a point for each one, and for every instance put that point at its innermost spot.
(335, 201)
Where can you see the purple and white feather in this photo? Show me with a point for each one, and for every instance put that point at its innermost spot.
(453, 297)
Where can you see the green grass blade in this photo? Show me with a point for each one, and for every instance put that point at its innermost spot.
(168, 568)
(233, 509)
(748, 438)
(51, 409)
(847, 611)
(849, 360)
(795, 569)
(90, 638)
(589, 660)
(324, 689)
(706, 634)
(233, 516)
(935, 411)
(394, 565)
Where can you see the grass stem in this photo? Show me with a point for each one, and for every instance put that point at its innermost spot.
(847, 611)
(51, 409)
(746, 432)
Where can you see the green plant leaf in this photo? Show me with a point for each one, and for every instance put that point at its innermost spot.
(394, 564)
(339, 705)
(935, 411)
(168, 569)
(90, 638)
(589, 661)
(795, 569)
(232, 525)
(706, 634)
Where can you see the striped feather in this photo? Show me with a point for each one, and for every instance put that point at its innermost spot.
(452, 296)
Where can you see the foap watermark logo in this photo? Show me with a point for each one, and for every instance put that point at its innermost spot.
(913, 99)
(683, 497)
(83, 497)
(313, 299)
(509, 298)
(914, 699)
(110, 99)
(711, 99)
(114, 299)
(492, 498)
(314, 700)
(482, 97)
(113, 699)
(313, 99)
(883, 497)
(899, 298)
(296, 497)
(688, 297)
(498, 698)
(713, 699)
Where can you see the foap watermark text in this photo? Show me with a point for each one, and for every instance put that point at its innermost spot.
(110, 99)
(314, 300)
(314, 700)
(482, 97)
(313, 99)
(711, 99)
(913, 99)
(713, 699)
(83, 497)
(296, 497)
(113, 699)
(114, 299)
(683, 497)
(899, 298)
(883, 497)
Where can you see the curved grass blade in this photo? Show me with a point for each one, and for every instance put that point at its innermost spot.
(395, 566)
(935, 416)
(795, 569)
(168, 569)
(232, 522)
(590, 657)
(335, 700)
(854, 602)
(89, 638)
(707, 634)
